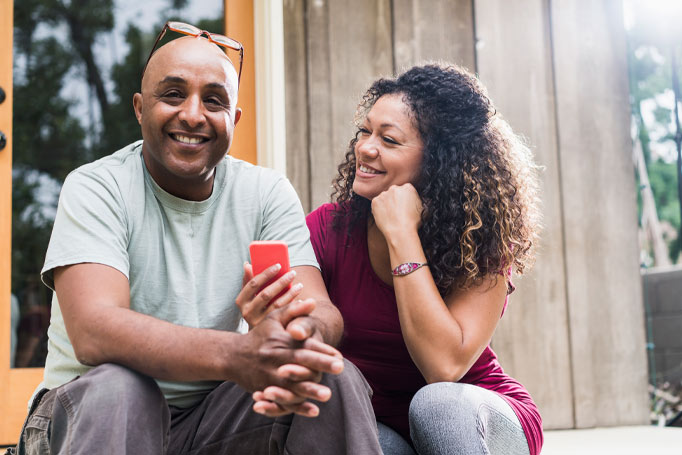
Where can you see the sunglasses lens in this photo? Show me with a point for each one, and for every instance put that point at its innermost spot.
(225, 41)
(184, 28)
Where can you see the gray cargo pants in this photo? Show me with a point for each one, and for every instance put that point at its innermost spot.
(112, 409)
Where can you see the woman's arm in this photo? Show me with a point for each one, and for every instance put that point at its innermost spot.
(444, 337)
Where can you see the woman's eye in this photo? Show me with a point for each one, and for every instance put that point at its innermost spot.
(364, 131)
(390, 140)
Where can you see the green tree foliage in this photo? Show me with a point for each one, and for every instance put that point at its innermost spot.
(46, 137)
(650, 71)
(120, 125)
(54, 43)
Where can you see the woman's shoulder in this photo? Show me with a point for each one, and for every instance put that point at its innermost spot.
(328, 225)
(325, 214)
(324, 209)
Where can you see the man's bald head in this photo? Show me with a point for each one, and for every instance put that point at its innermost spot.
(192, 51)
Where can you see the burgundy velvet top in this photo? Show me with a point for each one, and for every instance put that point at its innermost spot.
(373, 340)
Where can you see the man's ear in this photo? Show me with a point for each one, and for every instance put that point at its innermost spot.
(237, 115)
(137, 105)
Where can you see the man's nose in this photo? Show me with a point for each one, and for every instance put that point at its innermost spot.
(192, 112)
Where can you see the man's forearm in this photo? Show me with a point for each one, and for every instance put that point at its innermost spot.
(95, 304)
(326, 317)
(155, 347)
(171, 352)
(329, 322)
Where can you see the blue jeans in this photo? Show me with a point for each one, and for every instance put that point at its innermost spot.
(454, 418)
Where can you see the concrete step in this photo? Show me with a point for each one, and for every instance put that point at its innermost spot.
(636, 440)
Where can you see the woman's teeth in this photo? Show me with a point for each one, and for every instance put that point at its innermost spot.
(367, 170)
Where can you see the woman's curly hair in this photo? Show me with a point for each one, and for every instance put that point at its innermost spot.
(478, 182)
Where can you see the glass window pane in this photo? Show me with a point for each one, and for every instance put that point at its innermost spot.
(74, 82)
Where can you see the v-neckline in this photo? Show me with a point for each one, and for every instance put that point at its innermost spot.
(368, 259)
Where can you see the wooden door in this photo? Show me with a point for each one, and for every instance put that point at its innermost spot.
(17, 384)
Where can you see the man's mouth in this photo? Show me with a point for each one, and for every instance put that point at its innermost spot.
(187, 139)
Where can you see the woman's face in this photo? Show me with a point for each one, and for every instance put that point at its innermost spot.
(389, 149)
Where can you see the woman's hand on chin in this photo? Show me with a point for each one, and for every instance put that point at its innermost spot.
(397, 210)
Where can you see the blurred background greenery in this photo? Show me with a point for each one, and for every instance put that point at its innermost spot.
(654, 57)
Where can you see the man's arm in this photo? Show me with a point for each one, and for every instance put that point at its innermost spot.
(95, 303)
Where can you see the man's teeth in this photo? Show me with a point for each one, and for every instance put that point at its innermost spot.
(187, 140)
(368, 170)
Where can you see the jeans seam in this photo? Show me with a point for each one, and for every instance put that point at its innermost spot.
(481, 430)
(65, 401)
(515, 422)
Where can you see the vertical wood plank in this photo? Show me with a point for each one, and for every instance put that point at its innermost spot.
(296, 94)
(433, 30)
(349, 45)
(320, 153)
(514, 62)
(603, 282)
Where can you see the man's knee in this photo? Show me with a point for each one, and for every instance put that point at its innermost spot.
(113, 385)
(350, 377)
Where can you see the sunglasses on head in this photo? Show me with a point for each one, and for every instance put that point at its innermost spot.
(191, 30)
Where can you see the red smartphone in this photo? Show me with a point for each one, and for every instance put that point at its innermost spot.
(265, 253)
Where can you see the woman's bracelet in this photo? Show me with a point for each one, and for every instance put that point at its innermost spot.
(407, 267)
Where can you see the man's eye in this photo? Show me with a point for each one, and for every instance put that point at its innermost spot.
(215, 101)
(172, 95)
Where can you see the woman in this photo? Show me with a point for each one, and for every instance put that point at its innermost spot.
(435, 203)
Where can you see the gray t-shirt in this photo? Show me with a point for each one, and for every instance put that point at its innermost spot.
(183, 259)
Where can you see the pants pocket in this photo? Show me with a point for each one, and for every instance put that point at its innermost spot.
(36, 435)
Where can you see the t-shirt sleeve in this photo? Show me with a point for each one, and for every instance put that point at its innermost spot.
(283, 219)
(90, 226)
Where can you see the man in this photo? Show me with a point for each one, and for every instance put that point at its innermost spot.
(146, 260)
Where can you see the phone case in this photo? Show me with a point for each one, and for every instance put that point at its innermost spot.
(265, 253)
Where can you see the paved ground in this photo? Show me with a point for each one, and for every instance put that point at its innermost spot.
(640, 440)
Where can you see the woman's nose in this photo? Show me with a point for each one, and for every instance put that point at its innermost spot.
(368, 147)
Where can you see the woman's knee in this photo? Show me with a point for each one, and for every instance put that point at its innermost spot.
(466, 416)
(445, 415)
(443, 398)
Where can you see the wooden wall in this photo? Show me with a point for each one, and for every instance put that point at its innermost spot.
(556, 70)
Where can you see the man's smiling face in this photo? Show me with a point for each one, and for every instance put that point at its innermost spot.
(187, 113)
